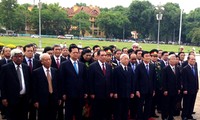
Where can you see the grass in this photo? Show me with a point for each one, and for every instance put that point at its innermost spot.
(51, 41)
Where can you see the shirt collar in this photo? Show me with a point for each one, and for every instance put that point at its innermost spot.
(20, 66)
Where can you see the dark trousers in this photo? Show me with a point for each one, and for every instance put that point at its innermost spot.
(188, 104)
(32, 111)
(134, 103)
(18, 111)
(48, 111)
(122, 107)
(169, 105)
(144, 109)
(73, 107)
(60, 115)
(101, 109)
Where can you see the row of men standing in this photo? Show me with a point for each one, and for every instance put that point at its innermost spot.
(99, 82)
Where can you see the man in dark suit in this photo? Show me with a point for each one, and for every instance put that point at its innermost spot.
(117, 54)
(171, 87)
(28, 57)
(100, 81)
(145, 76)
(73, 75)
(15, 80)
(4, 60)
(56, 61)
(133, 102)
(124, 88)
(190, 87)
(164, 60)
(33, 64)
(56, 58)
(6, 56)
(46, 89)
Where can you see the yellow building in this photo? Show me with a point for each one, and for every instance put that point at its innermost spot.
(93, 11)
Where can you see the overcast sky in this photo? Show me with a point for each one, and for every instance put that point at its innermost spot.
(187, 5)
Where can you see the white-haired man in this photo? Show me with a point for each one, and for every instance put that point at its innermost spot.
(124, 88)
(15, 86)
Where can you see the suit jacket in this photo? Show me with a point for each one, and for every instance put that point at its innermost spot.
(100, 85)
(3, 61)
(36, 63)
(135, 65)
(53, 64)
(162, 64)
(115, 61)
(124, 83)
(74, 85)
(41, 89)
(145, 83)
(190, 81)
(37, 56)
(10, 89)
(171, 81)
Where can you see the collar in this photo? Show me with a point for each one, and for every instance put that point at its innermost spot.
(20, 66)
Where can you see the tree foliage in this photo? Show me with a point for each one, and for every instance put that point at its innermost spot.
(82, 21)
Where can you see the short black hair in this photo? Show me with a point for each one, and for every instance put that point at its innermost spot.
(27, 46)
(116, 51)
(95, 46)
(164, 52)
(99, 51)
(180, 53)
(85, 51)
(137, 51)
(46, 49)
(130, 51)
(55, 46)
(144, 52)
(170, 53)
(72, 47)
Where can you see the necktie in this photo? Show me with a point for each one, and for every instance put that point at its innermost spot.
(125, 68)
(133, 67)
(174, 70)
(58, 62)
(147, 68)
(49, 82)
(19, 77)
(30, 64)
(193, 70)
(75, 67)
(103, 69)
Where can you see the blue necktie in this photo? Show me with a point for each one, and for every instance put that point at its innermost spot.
(147, 67)
(133, 67)
(193, 70)
(75, 67)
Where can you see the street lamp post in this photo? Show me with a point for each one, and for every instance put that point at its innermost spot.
(180, 29)
(159, 18)
(40, 40)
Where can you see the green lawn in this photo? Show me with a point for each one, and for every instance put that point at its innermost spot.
(51, 41)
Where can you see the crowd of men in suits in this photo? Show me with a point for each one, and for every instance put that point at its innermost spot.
(96, 84)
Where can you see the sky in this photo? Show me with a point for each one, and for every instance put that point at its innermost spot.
(187, 5)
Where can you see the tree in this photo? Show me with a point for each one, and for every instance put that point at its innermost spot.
(53, 19)
(82, 21)
(113, 23)
(7, 15)
(141, 15)
(195, 35)
(171, 21)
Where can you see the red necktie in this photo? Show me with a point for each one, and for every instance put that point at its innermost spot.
(57, 62)
(30, 64)
(104, 69)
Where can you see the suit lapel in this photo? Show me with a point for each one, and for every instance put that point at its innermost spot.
(99, 68)
(72, 66)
